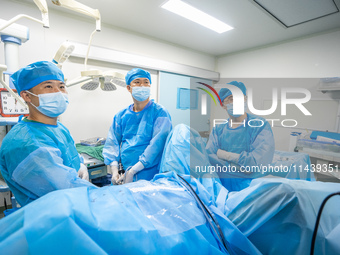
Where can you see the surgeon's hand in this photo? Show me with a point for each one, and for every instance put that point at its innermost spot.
(228, 156)
(83, 173)
(115, 175)
(130, 173)
(129, 176)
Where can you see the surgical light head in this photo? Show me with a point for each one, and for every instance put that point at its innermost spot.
(112, 80)
(91, 85)
(106, 84)
(108, 80)
(63, 54)
(34, 74)
(118, 81)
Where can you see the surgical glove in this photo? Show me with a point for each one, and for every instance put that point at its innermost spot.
(113, 170)
(129, 176)
(115, 175)
(228, 156)
(130, 173)
(83, 173)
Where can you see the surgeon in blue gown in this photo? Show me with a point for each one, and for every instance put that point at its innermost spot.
(245, 140)
(38, 155)
(138, 133)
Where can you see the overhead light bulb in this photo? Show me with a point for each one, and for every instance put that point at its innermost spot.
(187, 11)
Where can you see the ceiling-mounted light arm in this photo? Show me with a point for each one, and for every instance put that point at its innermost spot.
(20, 16)
(42, 5)
(3, 83)
(44, 12)
(78, 81)
(81, 8)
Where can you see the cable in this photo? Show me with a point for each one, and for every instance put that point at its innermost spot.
(205, 210)
(318, 220)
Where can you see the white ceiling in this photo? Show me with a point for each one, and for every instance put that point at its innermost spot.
(253, 26)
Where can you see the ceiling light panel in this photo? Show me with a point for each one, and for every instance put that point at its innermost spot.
(294, 12)
(187, 11)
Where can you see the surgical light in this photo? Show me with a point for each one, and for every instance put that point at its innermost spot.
(91, 85)
(90, 79)
(108, 80)
(187, 11)
(106, 84)
(63, 53)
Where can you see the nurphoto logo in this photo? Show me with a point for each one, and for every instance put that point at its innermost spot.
(239, 104)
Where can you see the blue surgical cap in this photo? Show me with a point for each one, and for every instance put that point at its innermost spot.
(224, 92)
(34, 74)
(136, 73)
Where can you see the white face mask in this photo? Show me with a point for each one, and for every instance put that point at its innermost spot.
(230, 109)
(141, 93)
(52, 104)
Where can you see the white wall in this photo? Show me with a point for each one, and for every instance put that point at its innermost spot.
(311, 57)
(317, 56)
(90, 113)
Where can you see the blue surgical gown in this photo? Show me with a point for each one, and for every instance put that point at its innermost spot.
(254, 143)
(37, 158)
(138, 136)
